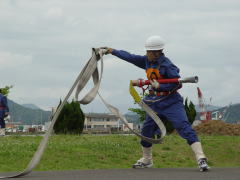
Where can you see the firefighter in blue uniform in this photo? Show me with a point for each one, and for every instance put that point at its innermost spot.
(4, 112)
(166, 101)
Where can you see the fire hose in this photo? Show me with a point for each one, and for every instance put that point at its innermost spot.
(91, 69)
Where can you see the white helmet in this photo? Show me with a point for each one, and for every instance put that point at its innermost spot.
(154, 43)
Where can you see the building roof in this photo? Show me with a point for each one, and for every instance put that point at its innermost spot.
(100, 115)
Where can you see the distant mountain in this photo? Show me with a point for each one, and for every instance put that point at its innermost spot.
(230, 114)
(26, 115)
(30, 106)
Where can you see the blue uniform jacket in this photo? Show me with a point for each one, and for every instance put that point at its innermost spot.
(3, 106)
(163, 66)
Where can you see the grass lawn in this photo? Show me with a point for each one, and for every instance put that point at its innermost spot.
(68, 152)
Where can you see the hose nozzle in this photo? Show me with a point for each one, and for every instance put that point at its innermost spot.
(193, 79)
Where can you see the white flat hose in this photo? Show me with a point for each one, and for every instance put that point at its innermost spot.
(90, 69)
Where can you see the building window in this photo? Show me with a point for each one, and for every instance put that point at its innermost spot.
(98, 126)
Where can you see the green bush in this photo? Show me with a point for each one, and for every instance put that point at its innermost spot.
(190, 110)
(70, 120)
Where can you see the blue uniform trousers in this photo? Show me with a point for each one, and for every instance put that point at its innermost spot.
(171, 109)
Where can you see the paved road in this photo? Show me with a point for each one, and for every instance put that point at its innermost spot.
(137, 174)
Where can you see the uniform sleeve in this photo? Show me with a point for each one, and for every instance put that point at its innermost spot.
(131, 58)
(169, 72)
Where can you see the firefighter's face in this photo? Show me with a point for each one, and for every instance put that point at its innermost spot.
(153, 55)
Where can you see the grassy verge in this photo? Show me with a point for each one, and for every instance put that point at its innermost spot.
(113, 151)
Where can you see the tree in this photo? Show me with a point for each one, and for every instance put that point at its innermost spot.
(70, 120)
(6, 90)
(141, 113)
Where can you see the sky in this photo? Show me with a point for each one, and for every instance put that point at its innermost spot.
(44, 45)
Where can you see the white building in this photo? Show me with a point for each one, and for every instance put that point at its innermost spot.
(97, 121)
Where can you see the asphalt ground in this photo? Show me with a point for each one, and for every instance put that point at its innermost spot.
(136, 174)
